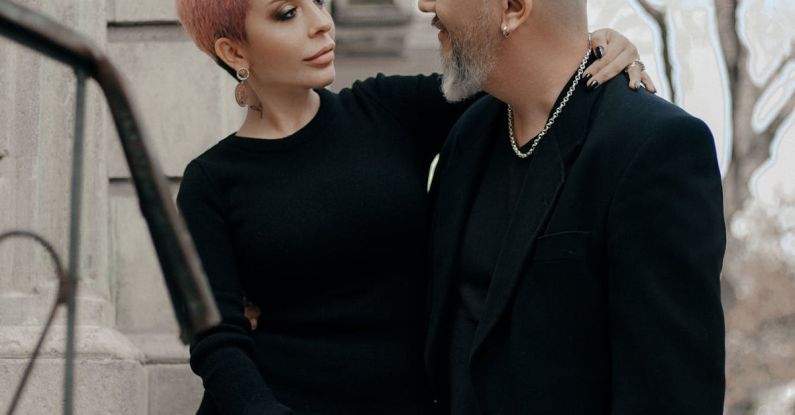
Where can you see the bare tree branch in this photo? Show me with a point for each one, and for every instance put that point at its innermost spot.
(786, 111)
(772, 129)
(744, 94)
(659, 17)
(783, 64)
(726, 14)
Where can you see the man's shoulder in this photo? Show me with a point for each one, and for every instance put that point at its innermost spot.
(629, 118)
(639, 109)
(476, 122)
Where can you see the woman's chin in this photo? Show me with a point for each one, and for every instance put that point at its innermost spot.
(326, 78)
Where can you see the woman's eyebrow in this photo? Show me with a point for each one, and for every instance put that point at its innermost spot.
(270, 3)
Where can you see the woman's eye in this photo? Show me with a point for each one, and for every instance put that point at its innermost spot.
(287, 15)
(321, 2)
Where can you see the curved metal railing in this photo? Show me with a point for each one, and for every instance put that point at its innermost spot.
(191, 298)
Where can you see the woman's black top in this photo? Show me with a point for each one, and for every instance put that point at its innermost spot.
(325, 231)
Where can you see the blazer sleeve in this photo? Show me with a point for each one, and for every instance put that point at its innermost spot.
(222, 356)
(666, 241)
(418, 104)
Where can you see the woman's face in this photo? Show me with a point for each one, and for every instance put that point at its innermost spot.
(290, 43)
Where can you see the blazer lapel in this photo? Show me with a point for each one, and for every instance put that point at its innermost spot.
(457, 180)
(545, 177)
(543, 182)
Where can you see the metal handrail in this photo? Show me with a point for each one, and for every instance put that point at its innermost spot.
(190, 294)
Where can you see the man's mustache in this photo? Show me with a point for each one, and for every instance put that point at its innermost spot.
(438, 24)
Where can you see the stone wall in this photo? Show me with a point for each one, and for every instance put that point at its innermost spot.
(129, 359)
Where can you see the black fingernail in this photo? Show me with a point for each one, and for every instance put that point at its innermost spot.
(593, 85)
(588, 76)
(599, 52)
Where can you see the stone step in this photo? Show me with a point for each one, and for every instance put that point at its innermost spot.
(372, 27)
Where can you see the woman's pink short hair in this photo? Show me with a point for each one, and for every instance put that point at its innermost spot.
(209, 20)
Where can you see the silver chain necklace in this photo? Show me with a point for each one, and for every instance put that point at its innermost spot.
(554, 116)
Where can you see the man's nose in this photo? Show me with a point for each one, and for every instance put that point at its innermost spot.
(427, 6)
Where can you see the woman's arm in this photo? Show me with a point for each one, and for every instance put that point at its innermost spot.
(419, 105)
(222, 356)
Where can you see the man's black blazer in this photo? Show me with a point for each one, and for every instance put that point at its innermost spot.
(606, 295)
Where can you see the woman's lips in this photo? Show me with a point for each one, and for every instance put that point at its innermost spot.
(324, 57)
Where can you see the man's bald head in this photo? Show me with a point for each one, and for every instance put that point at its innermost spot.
(568, 14)
(571, 12)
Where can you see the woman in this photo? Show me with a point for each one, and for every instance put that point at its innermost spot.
(314, 210)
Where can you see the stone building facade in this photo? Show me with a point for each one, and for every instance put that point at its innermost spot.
(129, 357)
(130, 360)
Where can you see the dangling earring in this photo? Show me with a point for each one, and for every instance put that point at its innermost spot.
(505, 33)
(241, 93)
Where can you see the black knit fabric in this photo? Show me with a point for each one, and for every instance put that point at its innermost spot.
(326, 231)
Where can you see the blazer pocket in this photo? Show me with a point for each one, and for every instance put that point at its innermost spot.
(561, 246)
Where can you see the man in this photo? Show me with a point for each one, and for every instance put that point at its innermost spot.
(578, 232)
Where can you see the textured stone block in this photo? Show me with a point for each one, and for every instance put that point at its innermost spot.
(372, 40)
(173, 390)
(375, 13)
(35, 173)
(186, 102)
(109, 374)
(102, 387)
(142, 301)
(161, 348)
(125, 11)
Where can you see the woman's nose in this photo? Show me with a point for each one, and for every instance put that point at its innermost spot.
(321, 21)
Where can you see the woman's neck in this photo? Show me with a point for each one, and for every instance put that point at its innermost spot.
(280, 113)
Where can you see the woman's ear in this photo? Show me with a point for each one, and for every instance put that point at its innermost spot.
(515, 13)
(232, 53)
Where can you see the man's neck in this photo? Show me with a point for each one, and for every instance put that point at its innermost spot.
(532, 72)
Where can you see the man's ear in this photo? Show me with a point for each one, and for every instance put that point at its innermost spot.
(232, 53)
(515, 13)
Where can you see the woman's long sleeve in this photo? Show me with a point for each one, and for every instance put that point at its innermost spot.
(222, 356)
(419, 105)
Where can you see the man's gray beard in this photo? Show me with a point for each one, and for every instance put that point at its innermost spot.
(471, 59)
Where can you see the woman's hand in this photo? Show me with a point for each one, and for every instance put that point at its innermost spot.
(251, 312)
(614, 54)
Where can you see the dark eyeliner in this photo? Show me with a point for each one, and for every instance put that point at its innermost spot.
(287, 15)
